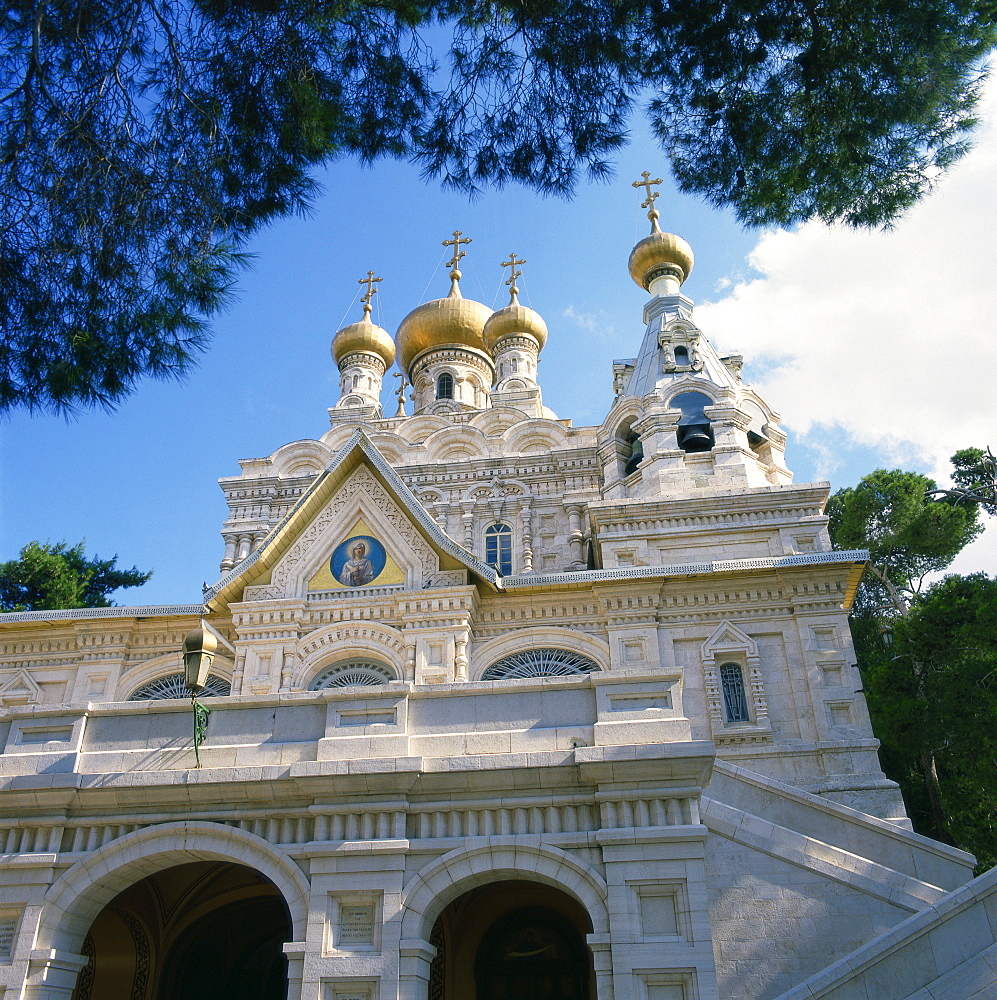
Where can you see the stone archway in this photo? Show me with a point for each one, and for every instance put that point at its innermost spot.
(200, 931)
(512, 940)
(73, 904)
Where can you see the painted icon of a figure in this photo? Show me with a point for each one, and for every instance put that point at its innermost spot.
(358, 569)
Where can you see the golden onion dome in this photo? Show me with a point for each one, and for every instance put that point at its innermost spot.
(658, 254)
(514, 320)
(364, 336)
(450, 322)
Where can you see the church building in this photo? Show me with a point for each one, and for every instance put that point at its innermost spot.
(497, 708)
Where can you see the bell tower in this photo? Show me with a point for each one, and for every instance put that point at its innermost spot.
(682, 420)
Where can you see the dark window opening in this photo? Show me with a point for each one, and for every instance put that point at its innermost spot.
(735, 699)
(694, 432)
(681, 355)
(444, 386)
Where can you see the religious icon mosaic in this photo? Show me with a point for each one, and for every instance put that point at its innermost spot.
(358, 561)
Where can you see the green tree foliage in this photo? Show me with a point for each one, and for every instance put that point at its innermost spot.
(908, 536)
(46, 577)
(932, 693)
(142, 141)
(975, 478)
(933, 701)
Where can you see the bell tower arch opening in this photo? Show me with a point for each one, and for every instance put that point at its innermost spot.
(512, 940)
(202, 930)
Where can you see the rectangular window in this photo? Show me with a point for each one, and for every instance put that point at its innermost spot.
(498, 548)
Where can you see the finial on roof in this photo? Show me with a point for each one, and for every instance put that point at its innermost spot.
(661, 261)
(652, 213)
(364, 336)
(454, 261)
(513, 275)
(369, 281)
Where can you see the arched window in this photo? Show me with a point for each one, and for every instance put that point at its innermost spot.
(735, 700)
(632, 452)
(498, 547)
(175, 686)
(444, 386)
(353, 673)
(540, 663)
(694, 432)
(681, 355)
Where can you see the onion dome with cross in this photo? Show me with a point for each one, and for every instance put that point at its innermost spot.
(441, 348)
(365, 335)
(363, 352)
(514, 320)
(662, 261)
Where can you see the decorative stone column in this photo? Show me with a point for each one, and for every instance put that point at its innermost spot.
(228, 559)
(576, 537)
(527, 539)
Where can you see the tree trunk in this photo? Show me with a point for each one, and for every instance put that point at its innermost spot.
(931, 783)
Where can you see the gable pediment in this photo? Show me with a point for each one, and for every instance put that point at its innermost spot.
(357, 529)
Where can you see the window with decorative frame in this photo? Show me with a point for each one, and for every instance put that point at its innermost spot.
(498, 547)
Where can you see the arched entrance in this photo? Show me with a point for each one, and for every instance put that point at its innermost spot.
(200, 931)
(512, 940)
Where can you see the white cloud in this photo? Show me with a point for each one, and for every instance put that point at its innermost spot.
(593, 322)
(889, 335)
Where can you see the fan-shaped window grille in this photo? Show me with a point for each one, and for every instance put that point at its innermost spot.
(539, 663)
(735, 701)
(353, 673)
(175, 686)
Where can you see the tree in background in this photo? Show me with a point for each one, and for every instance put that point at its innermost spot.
(142, 141)
(908, 536)
(932, 688)
(48, 577)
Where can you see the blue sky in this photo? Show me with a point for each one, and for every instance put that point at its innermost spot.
(877, 348)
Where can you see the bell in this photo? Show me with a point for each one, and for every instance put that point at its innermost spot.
(199, 647)
(695, 437)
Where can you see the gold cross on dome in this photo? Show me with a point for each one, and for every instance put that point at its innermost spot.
(648, 203)
(457, 252)
(369, 281)
(511, 263)
(646, 185)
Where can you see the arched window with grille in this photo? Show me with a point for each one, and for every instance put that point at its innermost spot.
(498, 547)
(544, 662)
(444, 386)
(735, 699)
(353, 673)
(175, 686)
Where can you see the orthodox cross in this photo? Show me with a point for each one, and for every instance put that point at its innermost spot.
(369, 281)
(457, 252)
(648, 203)
(513, 273)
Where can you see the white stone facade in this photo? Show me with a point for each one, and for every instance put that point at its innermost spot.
(697, 796)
